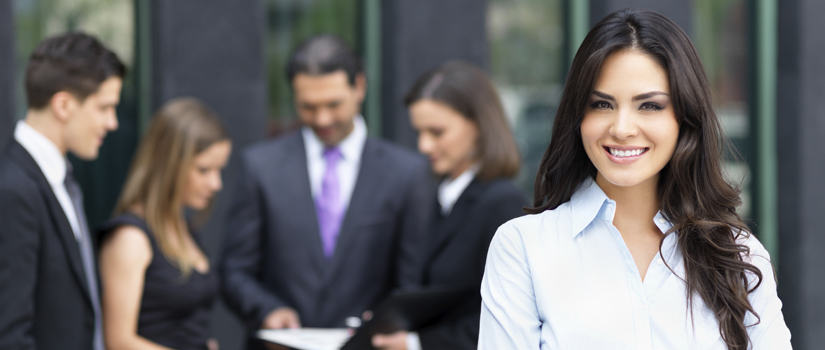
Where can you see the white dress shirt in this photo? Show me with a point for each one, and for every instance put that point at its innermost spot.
(564, 279)
(53, 165)
(450, 190)
(352, 146)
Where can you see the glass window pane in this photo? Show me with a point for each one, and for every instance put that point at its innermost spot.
(288, 23)
(527, 64)
(113, 22)
(722, 38)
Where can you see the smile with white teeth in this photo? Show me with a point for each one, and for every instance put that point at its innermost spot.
(625, 153)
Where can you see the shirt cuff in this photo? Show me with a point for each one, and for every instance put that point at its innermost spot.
(413, 341)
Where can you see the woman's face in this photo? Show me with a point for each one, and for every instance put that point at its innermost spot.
(445, 136)
(204, 175)
(629, 130)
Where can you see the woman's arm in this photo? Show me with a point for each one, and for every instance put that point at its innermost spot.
(771, 332)
(509, 317)
(124, 257)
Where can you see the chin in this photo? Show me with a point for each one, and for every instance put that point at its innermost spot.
(440, 171)
(91, 155)
(625, 181)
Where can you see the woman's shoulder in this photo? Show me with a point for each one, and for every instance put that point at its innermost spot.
(547, 225)
(501, 186)
(501, 192)
(127, 222)
(127, 243)
(757, 254)
(123, 219)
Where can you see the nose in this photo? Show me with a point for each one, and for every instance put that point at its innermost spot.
(111, 122)
(323, 117)
(624, 124)
(215, 182)
(425, 143)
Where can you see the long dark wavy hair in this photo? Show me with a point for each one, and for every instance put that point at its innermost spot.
(693, 194)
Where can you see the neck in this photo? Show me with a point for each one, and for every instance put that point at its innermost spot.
(47, 125)
(635, 206)
(461, 168)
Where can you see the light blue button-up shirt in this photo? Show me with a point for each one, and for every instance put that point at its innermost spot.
(564, 279)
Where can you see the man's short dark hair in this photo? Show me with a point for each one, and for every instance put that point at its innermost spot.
(324, 54)
(74, 62)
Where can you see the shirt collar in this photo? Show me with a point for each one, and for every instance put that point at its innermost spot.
(451, 189)
(44, 152)
(586, 204)
(590, 202)
(351, 146)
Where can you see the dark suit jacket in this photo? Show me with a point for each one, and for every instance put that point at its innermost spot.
(273, 255)
(457, 255)
(44, 301)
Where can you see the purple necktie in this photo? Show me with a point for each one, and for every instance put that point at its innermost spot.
(328, 204)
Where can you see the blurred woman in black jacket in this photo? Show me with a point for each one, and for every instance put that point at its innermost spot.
(463, 130)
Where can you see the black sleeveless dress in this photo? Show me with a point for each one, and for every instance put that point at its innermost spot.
(174, 311)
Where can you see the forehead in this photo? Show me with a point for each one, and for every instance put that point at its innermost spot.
(431, 111)
(108, 92)
(631, 71)
(318, 88)
(215, 153)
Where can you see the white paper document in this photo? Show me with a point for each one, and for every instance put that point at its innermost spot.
(307, 338)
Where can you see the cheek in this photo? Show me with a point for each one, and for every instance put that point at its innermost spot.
(193, 182)
(589, 130)
(590, 134)
(466, 146)
(305, 117)
(344, 111)
(668, 134)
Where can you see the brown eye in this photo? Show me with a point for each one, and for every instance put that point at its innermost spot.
(603, 105)
(651, 106)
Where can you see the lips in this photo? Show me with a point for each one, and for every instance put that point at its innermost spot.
(625, 154)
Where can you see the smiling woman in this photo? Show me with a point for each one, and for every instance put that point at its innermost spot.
(629, 129)
(635, 242)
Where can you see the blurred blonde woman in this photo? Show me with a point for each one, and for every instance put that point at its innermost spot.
(158, 286)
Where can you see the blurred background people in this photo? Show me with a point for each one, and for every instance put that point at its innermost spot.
(326, 220)
(635, 241)
(463, 130)
(158, 284)
(49, 295)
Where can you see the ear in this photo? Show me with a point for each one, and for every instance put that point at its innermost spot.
(361, 86)
(62, 104)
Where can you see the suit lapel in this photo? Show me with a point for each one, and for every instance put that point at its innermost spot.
(56, 214)
(457, 217)
(367, 182)
(299, 197)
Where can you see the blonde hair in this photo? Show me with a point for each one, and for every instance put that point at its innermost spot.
(179, 131)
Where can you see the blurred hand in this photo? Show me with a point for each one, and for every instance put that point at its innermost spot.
(212, 344)
(282, 317)
(393, 341)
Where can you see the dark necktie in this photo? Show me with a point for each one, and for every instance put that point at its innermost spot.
(86, 254)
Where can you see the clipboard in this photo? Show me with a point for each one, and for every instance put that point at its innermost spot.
(306, 338)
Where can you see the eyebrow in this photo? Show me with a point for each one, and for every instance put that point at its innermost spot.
(643, 96)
